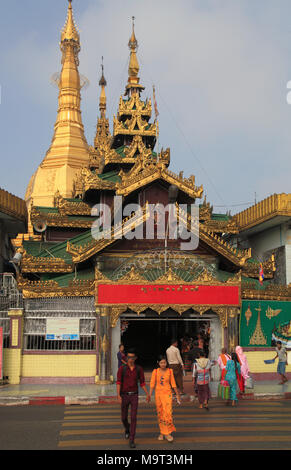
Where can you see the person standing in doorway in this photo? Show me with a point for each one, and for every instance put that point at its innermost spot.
(128, 376)
(283, 362)
(162, 380)
(200, 341)
(176, 363)
(121, 356)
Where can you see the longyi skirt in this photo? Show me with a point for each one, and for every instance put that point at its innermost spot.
(203, 393)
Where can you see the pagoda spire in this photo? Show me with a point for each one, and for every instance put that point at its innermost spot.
(70, 31)
(102, 138)
(102, 100)
(133, 68)
(69, 150)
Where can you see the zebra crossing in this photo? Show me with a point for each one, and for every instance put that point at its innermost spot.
(250, 425)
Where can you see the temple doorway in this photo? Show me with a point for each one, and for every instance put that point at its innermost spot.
(150, 335)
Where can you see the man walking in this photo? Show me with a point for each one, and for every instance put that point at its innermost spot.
(128, 376)
(282, 356)
(176, 363)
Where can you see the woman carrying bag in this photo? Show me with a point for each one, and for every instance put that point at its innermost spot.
(201, 379)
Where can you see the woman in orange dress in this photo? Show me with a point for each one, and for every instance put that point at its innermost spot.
(162, 380)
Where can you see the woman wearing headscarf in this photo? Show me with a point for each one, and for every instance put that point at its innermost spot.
(232, 366)
(201, 379)
(162, 380)
(222, 360)
(244, 366)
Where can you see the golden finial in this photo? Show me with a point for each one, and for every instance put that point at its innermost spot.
(133, 63)
(133, 44)
(133, 68)
(102, 83)
(70, 31)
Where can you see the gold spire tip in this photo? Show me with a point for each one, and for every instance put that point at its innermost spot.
(102, 81)
(133, 42)
(70, 30)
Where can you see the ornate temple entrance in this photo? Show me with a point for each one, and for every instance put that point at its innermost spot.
(150, 334)
(157, 311)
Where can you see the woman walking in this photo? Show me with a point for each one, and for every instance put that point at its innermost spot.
(201, 379)
(162, 380)
(232, 366)
(244, 367)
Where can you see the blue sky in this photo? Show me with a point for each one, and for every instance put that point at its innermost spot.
(220, 69)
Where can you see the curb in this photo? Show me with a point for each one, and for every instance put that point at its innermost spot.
(110, 400)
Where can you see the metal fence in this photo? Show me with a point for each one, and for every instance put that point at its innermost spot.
(38, 311)
(5, 324)
(10, 297)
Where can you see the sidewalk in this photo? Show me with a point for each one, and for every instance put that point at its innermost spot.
(87, 394)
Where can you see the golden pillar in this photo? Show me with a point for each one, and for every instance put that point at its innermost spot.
(104, 376)
(233, 329)
(15, 347)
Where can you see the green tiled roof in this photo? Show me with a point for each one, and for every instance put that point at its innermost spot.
(36, 248)
(64, 279)
(57, 251)
(220, 217)
(73, 199)
(47, 210)
(110, 176)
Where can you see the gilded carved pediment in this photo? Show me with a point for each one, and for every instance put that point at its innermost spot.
(134, 126)
(137, 146)
(147, 170)
(66, 207)
(134, 105)
(86, 179)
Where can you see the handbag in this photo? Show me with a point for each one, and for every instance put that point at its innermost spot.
(249, 382)
(223, 391)
(224, 383)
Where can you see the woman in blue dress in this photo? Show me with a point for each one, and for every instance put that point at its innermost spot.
(232, 366)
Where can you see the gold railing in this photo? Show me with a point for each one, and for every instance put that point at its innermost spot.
(277, 204)
(13, 205)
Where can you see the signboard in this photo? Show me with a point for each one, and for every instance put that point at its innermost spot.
(168, 294)
(1, 353)
(62, 329)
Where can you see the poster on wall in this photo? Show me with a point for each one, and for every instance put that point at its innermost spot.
(62, 329)
(1, 353)
(262, 323)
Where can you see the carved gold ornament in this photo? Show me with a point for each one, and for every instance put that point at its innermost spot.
(248, 314)
(222, 312)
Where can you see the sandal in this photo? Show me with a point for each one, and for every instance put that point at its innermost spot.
(169, 438)
(161, 437)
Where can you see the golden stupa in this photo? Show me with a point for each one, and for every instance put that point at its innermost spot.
(69, 149)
